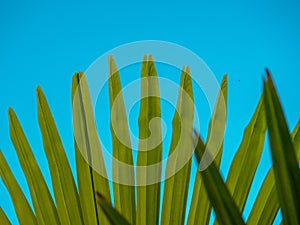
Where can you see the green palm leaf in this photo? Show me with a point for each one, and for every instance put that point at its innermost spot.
(91, 203)
(286, 170)
(89, 160)
(65, 191)
(42, 201)
(148, 196)
(295, 135)
(124, 196)
(200, 209)
(176, 187)
(114, 217)
(22, 208)
(266, 204)
(224, 206)
(246, 159)
(200, 206)
(3, 218)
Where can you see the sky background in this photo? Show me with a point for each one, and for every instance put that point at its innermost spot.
(44, 43)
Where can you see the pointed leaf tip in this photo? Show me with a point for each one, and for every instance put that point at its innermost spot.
(11, 112)
(150, 58)
(188, 70)
(268, 72)
(39, 89)
(286, 171)
(269, 78)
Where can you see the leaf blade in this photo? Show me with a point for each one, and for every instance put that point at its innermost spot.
(114, 217)
(124, 195)
(39, 191)
(22, 208)
(201, 210)
(64, 187)
(286, 170)
(148, 196)
(266, 204)
(178, 170)
(225, 208)
(246, 159)
(3, 218)
(89, 159)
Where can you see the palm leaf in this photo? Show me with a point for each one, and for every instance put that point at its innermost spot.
(22, 208)
(286, 170)
(266, 205)
(200, 209)
(148, 197)
(124, 196)
(91, 203)
(224, 206)
(114, 217)
(3, 218)
(65, 191)
(89, 160)
(176, 187)
(245, 162)
(42, 201)
(295, 135)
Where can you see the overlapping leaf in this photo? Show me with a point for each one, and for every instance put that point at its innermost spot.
(224, 206)
(281, 187)
(114, 217)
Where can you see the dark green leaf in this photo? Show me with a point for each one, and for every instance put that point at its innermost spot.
(286, 170)
(114, 217)
(224, 206)
(266, 204)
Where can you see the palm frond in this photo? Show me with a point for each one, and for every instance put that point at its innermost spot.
(91, 203)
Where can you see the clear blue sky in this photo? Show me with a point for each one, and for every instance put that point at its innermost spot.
(44, 43)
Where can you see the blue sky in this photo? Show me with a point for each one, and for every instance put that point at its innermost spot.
(44, 43)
